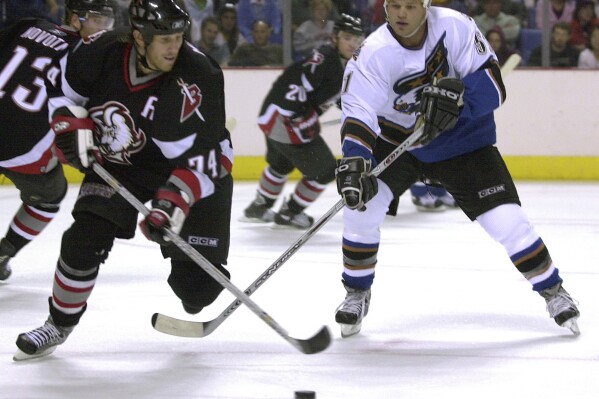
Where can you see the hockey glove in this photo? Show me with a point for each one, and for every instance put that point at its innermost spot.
(440, 107)
(353, 182)
(75, 137)
(169, 210)
(306, 123)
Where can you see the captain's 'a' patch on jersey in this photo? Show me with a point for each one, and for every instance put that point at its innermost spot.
(409, 88)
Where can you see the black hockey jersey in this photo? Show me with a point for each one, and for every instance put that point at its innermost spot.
(307, 85)
(26, 52)
(148, 126)
(311, 82)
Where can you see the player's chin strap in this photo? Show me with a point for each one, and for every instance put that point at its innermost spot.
(425, 4)
(417, 28)
(144, 60)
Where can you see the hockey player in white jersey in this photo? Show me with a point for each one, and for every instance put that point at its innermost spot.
(430, 65)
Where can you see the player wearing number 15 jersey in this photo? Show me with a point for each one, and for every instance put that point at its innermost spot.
(26, 140)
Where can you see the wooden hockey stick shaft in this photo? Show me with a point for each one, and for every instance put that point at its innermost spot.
(172, 326)
(315, 344)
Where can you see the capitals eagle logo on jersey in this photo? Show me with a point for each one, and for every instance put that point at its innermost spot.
(116, 133)
(410, 88)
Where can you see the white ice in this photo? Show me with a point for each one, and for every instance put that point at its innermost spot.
(450, 316)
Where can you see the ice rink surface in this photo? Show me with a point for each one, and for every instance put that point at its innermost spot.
(450, 315)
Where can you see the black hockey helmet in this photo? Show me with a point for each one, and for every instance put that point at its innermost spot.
(82, 7)
(157, 17)
(347, 23)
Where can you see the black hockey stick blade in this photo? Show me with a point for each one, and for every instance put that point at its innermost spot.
(315, 344)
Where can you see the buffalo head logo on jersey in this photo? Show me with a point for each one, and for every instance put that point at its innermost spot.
(409, 89)
(116, 134)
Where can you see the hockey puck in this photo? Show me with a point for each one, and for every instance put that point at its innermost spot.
(305, 395)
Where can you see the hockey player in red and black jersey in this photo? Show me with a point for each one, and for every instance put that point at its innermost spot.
(26, 140)
(289, 120)
(154, 117)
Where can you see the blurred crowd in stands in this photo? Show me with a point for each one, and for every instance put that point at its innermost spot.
(249, 33)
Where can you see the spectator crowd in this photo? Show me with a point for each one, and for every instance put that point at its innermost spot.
(249, 33)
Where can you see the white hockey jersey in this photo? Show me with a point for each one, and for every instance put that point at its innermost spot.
(383, 85)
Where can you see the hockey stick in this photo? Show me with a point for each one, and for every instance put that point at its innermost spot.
(230, 124)
(510, 64)
(332, 122)
(317, 343)
(198, 329)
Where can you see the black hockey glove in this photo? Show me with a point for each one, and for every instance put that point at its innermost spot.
(169, 210)
(440, 106)
(75, 137)
(353, 182)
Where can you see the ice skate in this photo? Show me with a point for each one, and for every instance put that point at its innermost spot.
(448, 201)
(41, 341)
(5, 270)
(258, 212)
(562, 307)
(428, 203)
(7, 251)
(287, 218)
(352, 310)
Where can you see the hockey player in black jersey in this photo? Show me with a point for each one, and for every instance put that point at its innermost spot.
(289, 120)
(26, 140)
(155, 117)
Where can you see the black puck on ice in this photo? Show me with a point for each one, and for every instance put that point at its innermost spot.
(305, 395)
